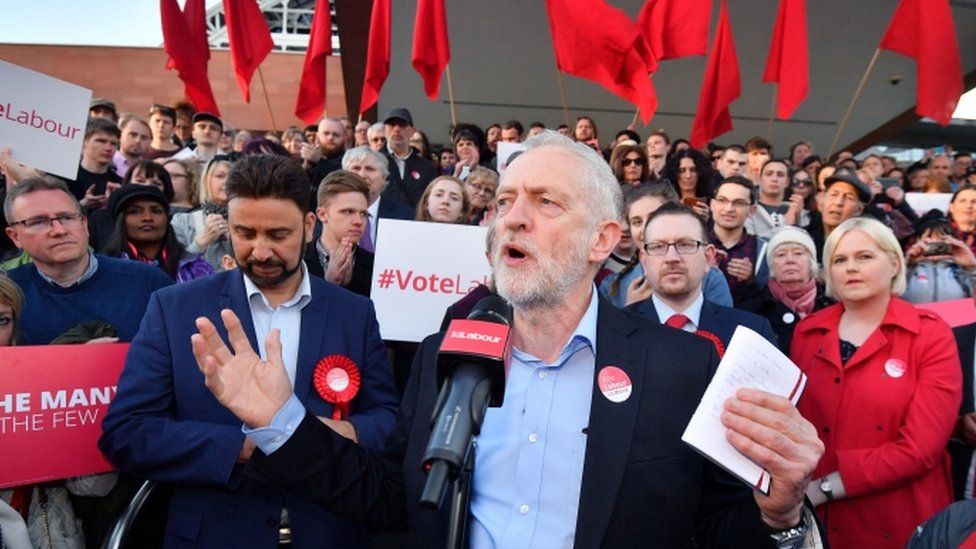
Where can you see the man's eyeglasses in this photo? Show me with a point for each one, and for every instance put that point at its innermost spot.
(683, 247)
(483, 189)
(632, 162)
(41, 224)
(723, 202)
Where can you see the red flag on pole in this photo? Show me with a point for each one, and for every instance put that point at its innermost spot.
(195, 13)
(431, 48)
(598, 42)
(720, 87)
(675, 28)
(311, 90)
(926, 32)
(186, 56)
(250, 40)
(377, 55)
(788, 62)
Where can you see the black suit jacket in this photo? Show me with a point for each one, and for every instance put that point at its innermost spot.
(362, 269)
(409, 189)
(391, 209)
(719, 320)
(961, 452)
(642, 486)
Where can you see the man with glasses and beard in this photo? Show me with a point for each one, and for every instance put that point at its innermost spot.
(566, 460)
(164, 425)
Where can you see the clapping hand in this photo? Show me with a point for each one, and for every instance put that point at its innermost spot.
(253, 389)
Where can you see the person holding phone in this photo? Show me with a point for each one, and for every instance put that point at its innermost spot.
(690, 174)
(940, 266)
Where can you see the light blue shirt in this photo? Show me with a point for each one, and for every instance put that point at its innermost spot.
(693, 312)
(89, 272)
(529, 456)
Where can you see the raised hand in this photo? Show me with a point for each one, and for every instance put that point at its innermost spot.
(769, 430)
(253, 389)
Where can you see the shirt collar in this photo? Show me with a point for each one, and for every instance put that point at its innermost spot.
(583, 336)
(301, 298)
(395, 155)
(374, 209)
(89, 272)
(693, 312)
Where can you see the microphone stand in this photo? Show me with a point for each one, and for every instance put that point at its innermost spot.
(457, 530)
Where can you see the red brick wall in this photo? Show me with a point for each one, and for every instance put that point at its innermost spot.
(135, 78)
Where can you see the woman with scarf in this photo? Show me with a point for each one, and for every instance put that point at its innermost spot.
(792, 292)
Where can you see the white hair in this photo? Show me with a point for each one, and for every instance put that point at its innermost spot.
(362, 152)
(605, 199)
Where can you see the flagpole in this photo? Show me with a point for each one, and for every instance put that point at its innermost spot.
(772, 114)
(850, 107)
(633, 123)
(562, 96)
(267, 100)
(450, 94)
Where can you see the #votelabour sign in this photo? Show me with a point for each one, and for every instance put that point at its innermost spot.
(42, 119)
(52, 402)
(420, 270)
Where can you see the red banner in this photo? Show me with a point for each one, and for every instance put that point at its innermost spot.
(52, 403)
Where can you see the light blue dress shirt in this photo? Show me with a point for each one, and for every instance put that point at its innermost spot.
(528, 465)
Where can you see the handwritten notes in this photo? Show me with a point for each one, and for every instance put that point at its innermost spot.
(750, 361)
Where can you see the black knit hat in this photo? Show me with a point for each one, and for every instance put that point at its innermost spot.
(119, 198)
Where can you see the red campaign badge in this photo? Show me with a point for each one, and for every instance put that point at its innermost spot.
(714, 339)
(336, 379)
(614, 383)
(415, 174)
(895, 367)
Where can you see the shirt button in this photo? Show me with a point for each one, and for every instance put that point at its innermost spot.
(524, 509)
(277, 438)
(289, 426)
(543, 374)
(533, 437)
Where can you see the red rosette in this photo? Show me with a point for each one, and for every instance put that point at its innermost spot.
(336, 379)
(714, 339)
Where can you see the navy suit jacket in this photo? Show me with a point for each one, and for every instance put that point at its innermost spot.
(719, 320)
(641, 486)
(166, 426)
(391, 209)
(962, 453)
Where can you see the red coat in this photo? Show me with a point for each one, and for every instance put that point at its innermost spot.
(885, 418)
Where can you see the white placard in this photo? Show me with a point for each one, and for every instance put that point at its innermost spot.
(923, 202)
(42, 119)
(505, 151)
(420, 270)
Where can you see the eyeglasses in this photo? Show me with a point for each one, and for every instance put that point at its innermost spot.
(632, 162)
(41, 224)
(228, 133)
(802, 182)
(722, 202)
(483, 189)
(683, 247)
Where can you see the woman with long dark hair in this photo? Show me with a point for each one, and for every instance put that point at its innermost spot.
(690, 174)
(143, 233)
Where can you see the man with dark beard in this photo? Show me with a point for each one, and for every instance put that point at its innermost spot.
(165, 426)
(324, 155)
(585, 449)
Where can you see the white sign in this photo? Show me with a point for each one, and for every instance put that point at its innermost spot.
(420, 270)
(42, 119)
(505, 151)
(923, 202)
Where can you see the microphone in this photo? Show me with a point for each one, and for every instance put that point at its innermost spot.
(471, 366)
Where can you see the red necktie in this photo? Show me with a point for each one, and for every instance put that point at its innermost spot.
(677, 321)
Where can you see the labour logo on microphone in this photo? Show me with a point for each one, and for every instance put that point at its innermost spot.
(476, 337)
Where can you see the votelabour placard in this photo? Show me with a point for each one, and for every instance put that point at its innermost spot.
(52, 402)
(420, 270)
(42, 119)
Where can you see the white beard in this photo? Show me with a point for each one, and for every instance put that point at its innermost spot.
(546, 278)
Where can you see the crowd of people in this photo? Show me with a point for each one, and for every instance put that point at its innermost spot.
(178, 216)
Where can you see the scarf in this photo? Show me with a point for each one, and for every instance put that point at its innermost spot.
(800, 300)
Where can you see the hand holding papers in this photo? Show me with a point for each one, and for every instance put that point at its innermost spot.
(747, 424)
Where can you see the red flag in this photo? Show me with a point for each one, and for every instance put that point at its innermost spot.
(789, 58)
(195, 13)
(377, 55)
(925, 31)
(431, 49)
(186, 57)
(311, 90)
(675, 28)
(612, 53)
(720, 87)
(250, 40)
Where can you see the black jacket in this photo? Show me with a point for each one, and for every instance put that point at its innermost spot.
(409, 189)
